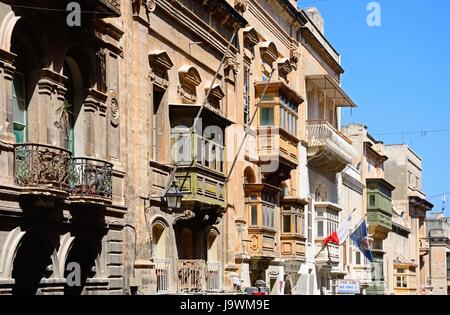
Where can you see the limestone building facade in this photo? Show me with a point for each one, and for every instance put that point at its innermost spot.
(237, 103)
(62, 198)
(407, 247)
(438, 264)
(376, 208)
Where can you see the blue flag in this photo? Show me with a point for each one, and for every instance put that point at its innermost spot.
(360, 238)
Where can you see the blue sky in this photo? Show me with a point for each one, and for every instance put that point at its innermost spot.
(398, 74)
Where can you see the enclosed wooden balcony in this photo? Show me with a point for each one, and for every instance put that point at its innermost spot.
(262, 206)
(91, 181)
(328, 148)
(277, 127)
(200, 169)
(379, 207)
(41, 169)
(292, 238)
(277, 148)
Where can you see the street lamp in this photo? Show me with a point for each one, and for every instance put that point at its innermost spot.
(173, 196)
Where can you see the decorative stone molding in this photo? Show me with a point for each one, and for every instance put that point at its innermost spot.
(52, 83)
(251, 37)
(241, 5)
(284, 66)
(186, 215)
(150, 5)
(114, 108)
(160, 64)
(231, 65)
(189, 80)
(269, 52)
(294, 56)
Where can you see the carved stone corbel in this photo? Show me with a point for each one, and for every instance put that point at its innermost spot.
(241, 5)
(186, 215)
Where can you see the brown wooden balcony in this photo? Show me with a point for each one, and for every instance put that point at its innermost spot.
(277, 150)
(328, 148)
(91, 181)
(41, 169)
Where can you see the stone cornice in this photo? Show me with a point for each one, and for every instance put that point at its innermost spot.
(193, 23)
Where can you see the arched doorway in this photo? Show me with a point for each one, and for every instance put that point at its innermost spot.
(32, 258)
(80, 266)
(214, 267)
(159, 253)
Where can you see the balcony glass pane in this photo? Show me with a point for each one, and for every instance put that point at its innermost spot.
(266, 117)
(254, 215)
(320, 229)
(286, 223)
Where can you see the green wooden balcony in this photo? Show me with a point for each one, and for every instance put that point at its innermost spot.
(200, 169)
(379, 207)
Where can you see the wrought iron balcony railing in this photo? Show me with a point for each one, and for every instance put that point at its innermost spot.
(91, 178)
(42, 166)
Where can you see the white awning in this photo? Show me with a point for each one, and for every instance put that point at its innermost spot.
(331, 88)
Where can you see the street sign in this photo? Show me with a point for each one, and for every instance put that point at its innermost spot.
(348, 287)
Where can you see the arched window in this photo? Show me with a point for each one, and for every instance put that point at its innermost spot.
(249, 176)
(159, 240)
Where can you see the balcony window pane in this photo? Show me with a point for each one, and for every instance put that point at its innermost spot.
(254, 215)
(372, 201)
(287, 224)
(319, 228)
(358, 258)
(266, 117)
(19, 108)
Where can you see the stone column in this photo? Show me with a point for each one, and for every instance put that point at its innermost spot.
(7, 138)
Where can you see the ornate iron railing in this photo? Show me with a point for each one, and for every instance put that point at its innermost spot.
(91, 178)
(40, 165)
(163, 275)
(191, 275)
(214, 277)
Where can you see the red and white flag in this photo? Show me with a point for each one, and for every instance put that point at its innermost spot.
(340, 235)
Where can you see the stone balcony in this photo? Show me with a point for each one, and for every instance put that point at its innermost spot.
(91, 181)
(328, 148)
(42, 170)
(330, 255)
